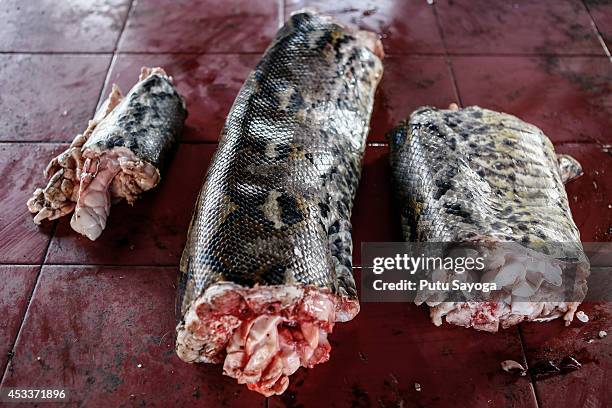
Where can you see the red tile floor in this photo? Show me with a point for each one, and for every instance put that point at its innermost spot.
(97, 318)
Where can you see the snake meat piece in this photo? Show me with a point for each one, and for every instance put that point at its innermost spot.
(120, 155)
(266, 271)
(477, 176)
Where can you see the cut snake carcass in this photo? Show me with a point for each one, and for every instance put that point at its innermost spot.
(266, 271)
(487, 179)
(120, 155)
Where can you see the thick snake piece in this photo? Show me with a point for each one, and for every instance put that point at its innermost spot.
(120, 154)
(477, 176)
(266, 271)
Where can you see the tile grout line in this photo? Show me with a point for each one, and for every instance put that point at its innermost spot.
(116, 266)
(100, 97)
(41, 142)
(184, 142)
(159, 52)
(28, 302)
(393, 54)
(447, 57)
(216, 142)
(456, 87)
(109, 67)
(11, 353)
(580, 142)
(501, 54)
(602, 42)
(53, 229)
(113, 58)
(532, 380)
(67, 142)
(103, 265)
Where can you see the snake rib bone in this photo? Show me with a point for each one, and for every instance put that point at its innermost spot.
(120, 155)
(266, 270)
(477, 176)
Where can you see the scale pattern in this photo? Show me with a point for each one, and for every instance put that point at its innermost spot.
(276, 203)
(148, 122)
(483, 178)
(475, 172)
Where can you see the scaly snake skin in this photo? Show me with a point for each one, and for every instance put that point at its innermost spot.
(274, 210)
(472, 175)
(127, 142)
(148, 122)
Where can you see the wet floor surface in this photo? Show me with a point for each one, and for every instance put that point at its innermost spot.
(98, 318)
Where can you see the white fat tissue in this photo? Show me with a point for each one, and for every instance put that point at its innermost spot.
(265, 351)
(84, 179)
(262, 334)
(93, 205)
(533, 292)
(118, 172)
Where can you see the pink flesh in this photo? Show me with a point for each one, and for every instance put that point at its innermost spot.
(70, 169)
(93, 205)
(264, 334)
(489, 316)
(59, 196)
(265, 351)
(530, 289)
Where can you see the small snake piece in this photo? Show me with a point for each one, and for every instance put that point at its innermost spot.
(487, 179)
(120, 155)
